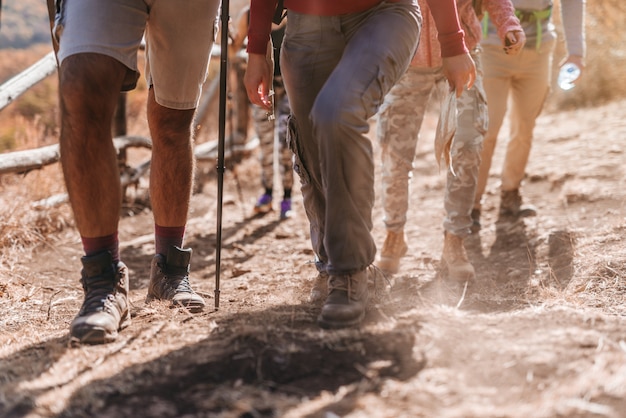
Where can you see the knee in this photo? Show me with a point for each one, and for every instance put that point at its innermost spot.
(168, 126)
(469, 153)
(334, 115)
(89, 84)
(325, 113)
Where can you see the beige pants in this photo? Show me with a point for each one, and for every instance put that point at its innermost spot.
(522, 80)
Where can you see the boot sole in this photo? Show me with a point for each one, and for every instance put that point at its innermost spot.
(101, 335)
(524, 213)
(193, 307)
(330, 324)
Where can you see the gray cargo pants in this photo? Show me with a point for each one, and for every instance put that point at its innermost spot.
(337, 70)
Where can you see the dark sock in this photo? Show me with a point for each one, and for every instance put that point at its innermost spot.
(96, 245)
(268, 192)
(167, 236)
(287, 194)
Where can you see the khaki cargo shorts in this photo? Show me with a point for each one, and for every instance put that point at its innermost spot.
(179, 36)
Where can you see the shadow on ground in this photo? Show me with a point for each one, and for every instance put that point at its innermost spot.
(245, 358)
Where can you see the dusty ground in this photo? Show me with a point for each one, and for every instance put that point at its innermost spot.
(541, 333)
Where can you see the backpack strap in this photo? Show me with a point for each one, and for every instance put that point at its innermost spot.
(539, 16)
(485, 24)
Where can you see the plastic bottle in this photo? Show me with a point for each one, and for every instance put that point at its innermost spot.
(567, 75)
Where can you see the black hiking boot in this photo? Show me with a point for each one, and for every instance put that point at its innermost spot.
(346, 301)
(105, 309)
(169, 280)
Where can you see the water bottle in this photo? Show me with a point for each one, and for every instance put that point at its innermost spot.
(568, 74)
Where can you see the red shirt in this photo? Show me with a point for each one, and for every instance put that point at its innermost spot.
(261, 12)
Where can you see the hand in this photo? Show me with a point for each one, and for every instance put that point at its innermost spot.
(514, 41)
(258, 80)
(460, 71)
(574, 59)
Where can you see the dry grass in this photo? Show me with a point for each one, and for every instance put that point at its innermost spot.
(601, 271)
(21, 224)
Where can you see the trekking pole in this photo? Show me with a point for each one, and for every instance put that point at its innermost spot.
(220, 145)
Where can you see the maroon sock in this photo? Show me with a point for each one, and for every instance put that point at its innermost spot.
(166, 236)
(95, 245)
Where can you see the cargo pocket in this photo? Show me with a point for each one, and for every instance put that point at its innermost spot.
(481, 115)
(293, 144)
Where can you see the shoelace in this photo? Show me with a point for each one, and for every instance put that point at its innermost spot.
(374, 274)
(98, 294)
(173, 284)
(183, 285)
(345, 283)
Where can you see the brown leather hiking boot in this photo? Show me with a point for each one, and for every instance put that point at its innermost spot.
(511, 205)
(455, 259)
(105, 309)
(346, 301)
(169, 280)
(394, 248)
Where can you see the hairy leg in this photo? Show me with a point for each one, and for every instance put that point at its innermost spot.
(88, 92)
(171, 171)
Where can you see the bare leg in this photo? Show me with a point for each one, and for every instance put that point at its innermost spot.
(171, 172)
(88, 90)
(171, 177)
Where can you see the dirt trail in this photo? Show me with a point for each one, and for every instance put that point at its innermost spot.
(541, 333)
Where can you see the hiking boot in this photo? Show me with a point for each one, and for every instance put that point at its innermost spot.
(511, 205)
(394, 248)
(285, 209)
(455, 259)
(169, 280)
(346, 301)
(264, 204)
(475, 221)
(105, 309)
(320, 288)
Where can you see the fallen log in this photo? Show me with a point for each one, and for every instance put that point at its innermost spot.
(20, 162)
(131, 175)
(14, 87)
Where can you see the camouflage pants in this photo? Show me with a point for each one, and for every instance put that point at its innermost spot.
(266, 130)
(400, 120)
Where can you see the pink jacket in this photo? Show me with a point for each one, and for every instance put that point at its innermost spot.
(501, 12)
